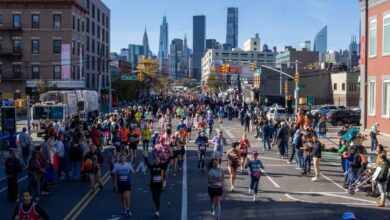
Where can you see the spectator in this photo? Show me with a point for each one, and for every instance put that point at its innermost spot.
(373, 134)
(35, 173)
(12, 168)
(25, 144)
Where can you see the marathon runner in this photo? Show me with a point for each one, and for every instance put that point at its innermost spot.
(215, 181)
(219, 142)
(255, 166)
(123, 180)
(233, 156)
(113, 159)
(28, 209)
(202, 142)
(189, 123)
(173, 146)
(134, 140)
(164, 154)
(244, 145)
(156, 181)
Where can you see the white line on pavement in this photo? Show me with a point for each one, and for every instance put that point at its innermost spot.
(333, 203)
(20, 180)
(184, 191)
(338, 185)
(270, 158)
(270, 179)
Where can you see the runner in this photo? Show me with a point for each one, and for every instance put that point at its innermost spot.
(215, 181)
(233, 156)
(221, 114)
(145, 133)
(134, 140)
(210, 123)
(202, 142)
(255, 166)
(113, 159)
(173, 146)
(124, 134)
(190, 123)
(123, 179)
(219, 142)
(163, 153)
(156, 181)
(28, 209)
(244, 145)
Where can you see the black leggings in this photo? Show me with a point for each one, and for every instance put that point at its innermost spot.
(156, 189)
(202, 155)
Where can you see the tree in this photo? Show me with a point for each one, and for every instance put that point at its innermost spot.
(126, 89)
(43, 86)
(148, 67)
(215, 84)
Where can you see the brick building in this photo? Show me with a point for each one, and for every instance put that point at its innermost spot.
(375, 64)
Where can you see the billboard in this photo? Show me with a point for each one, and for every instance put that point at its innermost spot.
(65, 61)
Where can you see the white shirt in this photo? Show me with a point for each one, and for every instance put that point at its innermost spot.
(60, 148)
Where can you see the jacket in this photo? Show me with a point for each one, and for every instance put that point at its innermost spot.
(384, 174)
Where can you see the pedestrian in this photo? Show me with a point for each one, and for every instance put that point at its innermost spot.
(234, 159)
(215, 185)
(317, 148)
(47, 163)
(156, 182)
(60, 152)
(266, 131)
(12, 140)
(122, 172)
(93, 162)
(35, 172)
(28, 209)
(255, 166)
(381, 150)
(202, 142)
(373, 134)
(12, 168)
(247, 120)
(146, 135)
(219, 142)
(75, 157)
(307, 149)
(25, 144)
(382, 178)
(282, 138)
(244, 146)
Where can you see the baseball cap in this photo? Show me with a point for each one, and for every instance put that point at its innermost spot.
(348, 216)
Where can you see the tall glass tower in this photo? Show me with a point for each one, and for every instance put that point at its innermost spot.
(321, 40)
(163, 43)
(232, 28)
(198, 44)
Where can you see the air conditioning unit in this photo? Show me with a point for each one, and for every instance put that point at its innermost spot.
(57, 26)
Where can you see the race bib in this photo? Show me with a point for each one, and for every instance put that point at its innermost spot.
(123, 178)
(217, 184)
(157, 179)
(202, 147)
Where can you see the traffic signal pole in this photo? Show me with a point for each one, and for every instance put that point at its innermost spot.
(296, 87)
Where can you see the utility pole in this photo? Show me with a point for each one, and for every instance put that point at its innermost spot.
(28, 115)
(296, 77)
(100, 75)
(109, 92)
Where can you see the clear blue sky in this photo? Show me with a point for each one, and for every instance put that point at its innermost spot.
(278, 22)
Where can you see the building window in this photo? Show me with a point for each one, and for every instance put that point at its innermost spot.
(87, 43)
(93, 10)
(103, 19)
(98, 31)
(87, 25)
(93, 28)
(73, 22)
(93, 63)
(93, 46)
(371, 98)
(107, 21)
(17, 70)
(1, 19)
(335, 86)
(57, 72)
(16, 21)
(386, 35)
(73, 47)
(35, 46)
(372, 39)
(1, 44)
(255, 43)
(35, 21)
(82, 26)
(87, 61)
(93, 80)
(78, 48)
(88, 5)
(103, 35)
(352, 87)
(386, 98)
(56, 46)
(57, 21)
(343, 86)
(98, 15)
(35, 72)
(17, 46)
(1, 70)
(78, 24)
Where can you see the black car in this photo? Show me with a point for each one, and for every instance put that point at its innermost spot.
(343, 117)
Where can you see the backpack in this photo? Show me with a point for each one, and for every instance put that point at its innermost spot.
(75, 153)
(12, 166)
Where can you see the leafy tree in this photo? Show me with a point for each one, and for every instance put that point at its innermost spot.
(215, 84)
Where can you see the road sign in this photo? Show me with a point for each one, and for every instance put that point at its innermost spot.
(258, 71)
(310, 101)
(127, 78)
(8, 118)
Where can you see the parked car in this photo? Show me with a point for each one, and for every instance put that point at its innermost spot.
(323, 110)
(343, 117)
(277, 114)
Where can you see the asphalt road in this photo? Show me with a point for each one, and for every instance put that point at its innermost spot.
(285, 194)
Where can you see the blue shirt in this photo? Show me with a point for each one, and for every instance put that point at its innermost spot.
(254, 167)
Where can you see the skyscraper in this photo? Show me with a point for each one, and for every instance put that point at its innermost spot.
(163, 43)
(232, 28)
(145, 44)
(176, 67)
(321, 40)
(186, 56)
(199, 38)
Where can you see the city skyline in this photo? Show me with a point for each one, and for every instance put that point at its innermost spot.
(275, 30)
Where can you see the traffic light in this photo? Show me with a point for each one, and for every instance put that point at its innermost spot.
(227, 68)
(141, 77)
(286, 88)
(223, 68)
(296, 77)
(252, 67)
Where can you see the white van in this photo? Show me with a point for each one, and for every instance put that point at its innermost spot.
(277, 114)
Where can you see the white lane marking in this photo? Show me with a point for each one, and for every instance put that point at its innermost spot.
(333, 203)
(331, 194)
(20, 180)
(270, 158)
(280, 165)
(270, 179)
(338, 185)
(184, 191)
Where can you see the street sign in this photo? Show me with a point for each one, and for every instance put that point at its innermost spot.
(8, 119)
(310, 101)
(258, 71)
(128, 78)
